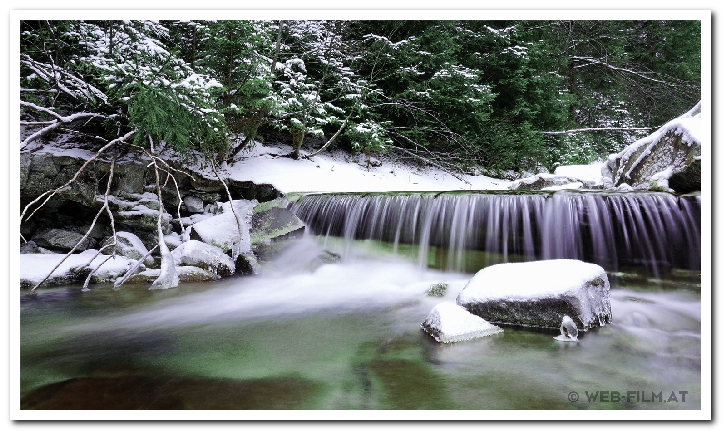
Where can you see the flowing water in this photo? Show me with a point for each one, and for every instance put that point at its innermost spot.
(305, 334)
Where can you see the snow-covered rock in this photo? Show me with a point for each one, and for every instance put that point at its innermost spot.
(186, 274)
(551, 182)
(569, 331)
(222, 230)
(540, 294)
(650, 162)
(143, 218)
(450, 323)
(34, 267)
(205, 256)
(128, 245)
(64, 240)
(172, 240)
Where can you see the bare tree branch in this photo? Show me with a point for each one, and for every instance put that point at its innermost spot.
(51, 193)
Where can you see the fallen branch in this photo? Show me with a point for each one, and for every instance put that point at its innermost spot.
(119, 282)
(90, 229)
(330, 141)
(235, 251)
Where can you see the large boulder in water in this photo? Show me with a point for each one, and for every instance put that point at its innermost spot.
(651, 162)
(540, 294)
(272, 225)
(450, 323)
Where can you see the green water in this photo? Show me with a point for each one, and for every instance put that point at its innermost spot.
(345, 336)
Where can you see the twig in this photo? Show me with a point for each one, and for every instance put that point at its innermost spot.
(119, 282)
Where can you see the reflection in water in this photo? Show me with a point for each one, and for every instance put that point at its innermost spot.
(339, 336)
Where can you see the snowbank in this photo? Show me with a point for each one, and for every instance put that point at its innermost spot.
(450, 323)
(540, 293)
(329, 172)
(34, 267)
(591, 172)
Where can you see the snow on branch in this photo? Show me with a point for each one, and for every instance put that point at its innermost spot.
(589, 61)
(595, 129)
(53, 124)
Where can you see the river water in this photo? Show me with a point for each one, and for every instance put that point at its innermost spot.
(346, 335)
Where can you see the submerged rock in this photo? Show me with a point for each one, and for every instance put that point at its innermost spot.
(569, 331)
(437, 289)
(205, 256)
(450, 323)
(540, 294)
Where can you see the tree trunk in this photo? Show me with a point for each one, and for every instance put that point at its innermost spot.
(168, 277)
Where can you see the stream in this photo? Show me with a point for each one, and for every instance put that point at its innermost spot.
(346, 335)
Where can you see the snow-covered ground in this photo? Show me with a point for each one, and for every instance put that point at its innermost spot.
(591, 172)
(334, 173)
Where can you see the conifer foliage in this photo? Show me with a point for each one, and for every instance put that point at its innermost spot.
(503, 96)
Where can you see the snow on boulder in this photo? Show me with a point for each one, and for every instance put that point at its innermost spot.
(551, 182)
(34, 267)
(222, 230)
(650, 162)
(186, 274)
(540, 294)
(449, 323)
(128, 245)
(205, 256)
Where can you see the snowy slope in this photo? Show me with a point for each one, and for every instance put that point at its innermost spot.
(333, 173)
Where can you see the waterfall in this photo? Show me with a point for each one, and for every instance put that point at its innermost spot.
(653, 231)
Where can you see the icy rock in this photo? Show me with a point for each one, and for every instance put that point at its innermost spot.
(222, 230)
(540, 294)
(193, 204)
(128, 245)
(450, 323)
(569, 331)
(201, 255)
